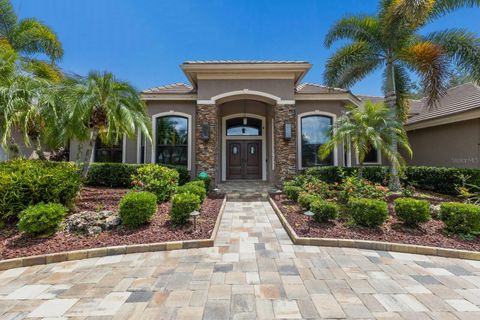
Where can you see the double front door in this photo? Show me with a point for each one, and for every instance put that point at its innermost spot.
(244, 159)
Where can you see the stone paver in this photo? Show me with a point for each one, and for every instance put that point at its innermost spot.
(253, 272)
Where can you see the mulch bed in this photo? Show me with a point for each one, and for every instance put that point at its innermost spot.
(94, 199)
(429, 234)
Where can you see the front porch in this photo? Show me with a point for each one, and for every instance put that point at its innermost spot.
(246, 190)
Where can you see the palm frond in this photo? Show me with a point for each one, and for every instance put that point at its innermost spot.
(410, 13)
(430, 62)
(8, 19)
(356, 28)
(32, 36)
(462, 47)
(44, 70)
(355, 54)
(442, 7)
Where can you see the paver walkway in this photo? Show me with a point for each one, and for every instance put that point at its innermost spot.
(254, 271)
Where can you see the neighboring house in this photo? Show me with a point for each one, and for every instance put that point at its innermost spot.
(238, 120)
(448, 134)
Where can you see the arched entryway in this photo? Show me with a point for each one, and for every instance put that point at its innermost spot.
(244, 147)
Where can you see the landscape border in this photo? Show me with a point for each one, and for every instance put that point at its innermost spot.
(372, 245)
(115, 250)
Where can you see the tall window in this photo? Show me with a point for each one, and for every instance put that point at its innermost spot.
(314, 133)
(172, 140)
(108, 153)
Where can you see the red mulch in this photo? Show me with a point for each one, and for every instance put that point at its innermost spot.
(429, 234)
(93, 199)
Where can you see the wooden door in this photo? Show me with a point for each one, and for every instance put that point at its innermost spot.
(244, 159)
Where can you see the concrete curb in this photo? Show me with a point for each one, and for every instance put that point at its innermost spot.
(372, 245)
(110, 251)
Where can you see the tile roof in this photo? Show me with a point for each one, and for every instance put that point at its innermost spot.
(242, 61)
(171, 88)
(316, 88)
(458, 99)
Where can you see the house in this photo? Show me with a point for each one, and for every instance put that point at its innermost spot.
(252, 120)
(447, 134)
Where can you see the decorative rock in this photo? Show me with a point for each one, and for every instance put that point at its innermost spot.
(93, 230)
(92, 222)
(112, 221)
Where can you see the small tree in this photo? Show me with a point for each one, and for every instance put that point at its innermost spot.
(367, 128)
(101, 106)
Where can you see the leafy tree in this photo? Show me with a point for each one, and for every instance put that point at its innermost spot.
(365, 128)
(390, 41)
(101, 106)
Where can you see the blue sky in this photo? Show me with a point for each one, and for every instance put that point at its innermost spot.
(144, 41)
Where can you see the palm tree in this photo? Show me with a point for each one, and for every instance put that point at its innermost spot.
(30, 37)
(390, 41)
(101, 106)
(371, 127)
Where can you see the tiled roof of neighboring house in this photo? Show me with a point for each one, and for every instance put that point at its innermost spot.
(374, 99)
(458, 99)
(171, 88)
(241, 61)
(316, 88)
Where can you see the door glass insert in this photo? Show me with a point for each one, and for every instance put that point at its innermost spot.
(235, 150)
(252, 150)
(244, 127)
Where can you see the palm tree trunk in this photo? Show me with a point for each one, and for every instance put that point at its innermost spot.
(391, 100)
(13, 149)
(78, 159)
(88, 153)
(38, 149)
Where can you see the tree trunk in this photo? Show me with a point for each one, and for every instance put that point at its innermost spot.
(78, 159)
(38, 149)
(13, 149)
(391, 101)
(88, 153)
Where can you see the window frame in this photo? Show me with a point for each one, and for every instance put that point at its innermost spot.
(299, 134)
(189, 134)
(122, 144)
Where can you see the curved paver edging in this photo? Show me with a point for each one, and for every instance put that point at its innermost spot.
(110, 251)
(372, 245)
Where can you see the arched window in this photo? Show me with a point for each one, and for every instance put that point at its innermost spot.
(315, 130)
(244, 127)
(172, 140)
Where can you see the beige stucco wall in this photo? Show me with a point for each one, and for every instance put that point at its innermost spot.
(282, 88)
(332, 107)
(449, 145)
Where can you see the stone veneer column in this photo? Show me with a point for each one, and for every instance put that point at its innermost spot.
(207, 151)
(285, 151)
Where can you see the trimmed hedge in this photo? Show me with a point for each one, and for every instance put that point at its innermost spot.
(182, 205)
(156, 179)
(305, 199)
(439, 179)
(324, 210)
(460, 218)
(369, 213)
(195, 187)
(137, 208)
(28, 182)
(41, 218)
(412, 212)
(118, 175)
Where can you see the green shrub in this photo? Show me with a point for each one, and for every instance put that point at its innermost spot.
(194, 187)
(206, 180)
(28, 182)
(460, 218)
(292, 191)
(305, 199)
(183, 173)
(119, 175)
(324, 210)
(156, 179)
(412, 212)
(367, 212)
(112, 175)
(137, 208)
(41, 218)
(182, 205)
(439, 179)
(353, 187)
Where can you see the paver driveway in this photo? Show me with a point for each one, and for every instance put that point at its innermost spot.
(254, 271)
